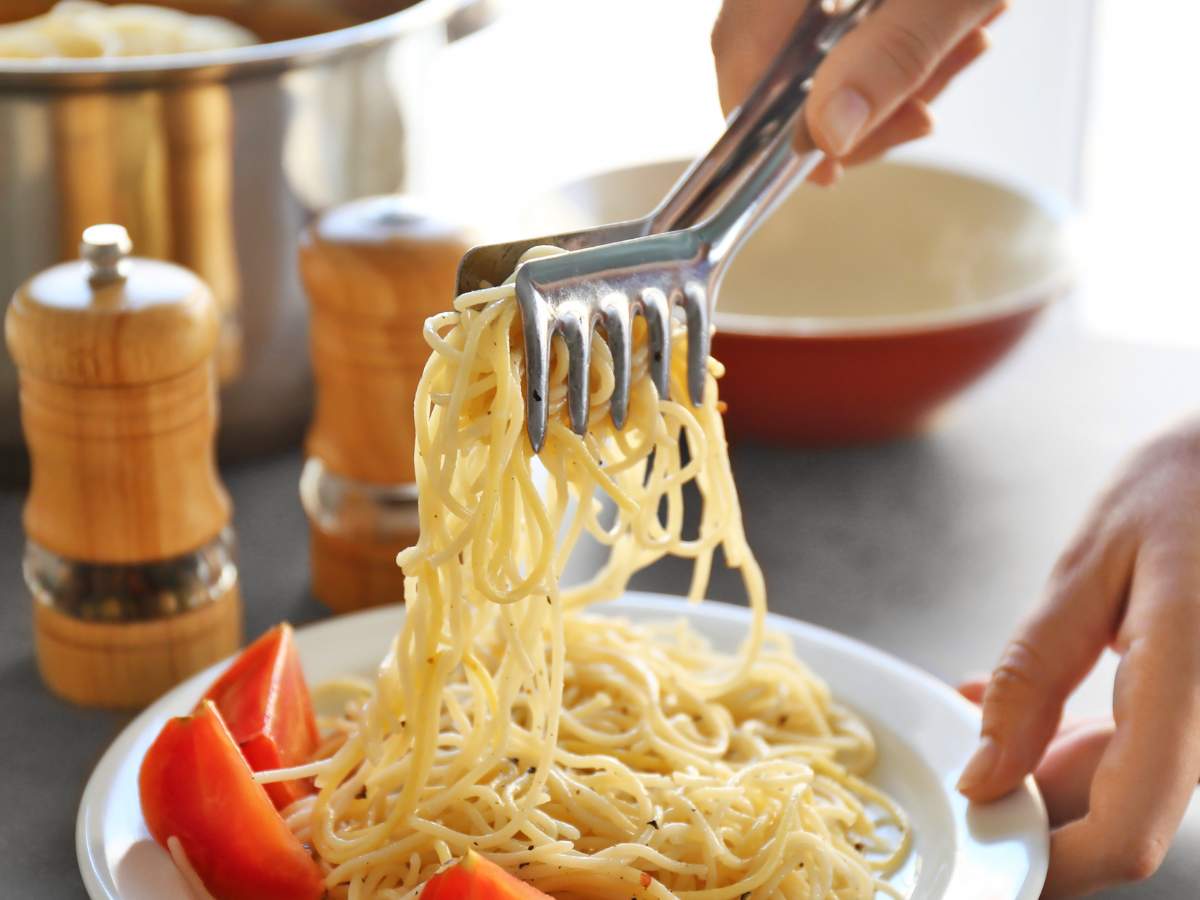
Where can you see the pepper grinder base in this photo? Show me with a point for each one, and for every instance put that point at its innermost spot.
(127, 665)
(349, 575)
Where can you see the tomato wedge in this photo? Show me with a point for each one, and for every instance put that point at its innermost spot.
(264, 700)
(476, 878)
(195, 786)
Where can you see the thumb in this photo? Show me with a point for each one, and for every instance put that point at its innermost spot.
(1050, 654)
(882, 63)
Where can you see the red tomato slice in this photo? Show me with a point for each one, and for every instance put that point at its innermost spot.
(264, 700)
(476, 878)
(195, 785)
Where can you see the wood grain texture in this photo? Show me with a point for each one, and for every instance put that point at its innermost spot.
(127, 665)
(123, 474)
(119, 409)
(348, 574)
(160, 323)
(374, 271)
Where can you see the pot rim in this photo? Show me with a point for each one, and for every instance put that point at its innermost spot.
(226, 64)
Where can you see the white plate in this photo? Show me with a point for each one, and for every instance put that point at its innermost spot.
(925, 733)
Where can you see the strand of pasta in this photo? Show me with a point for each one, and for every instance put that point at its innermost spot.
(585, 753)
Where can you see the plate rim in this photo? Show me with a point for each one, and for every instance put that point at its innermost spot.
(97, 877)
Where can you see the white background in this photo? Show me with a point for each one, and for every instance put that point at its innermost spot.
(566, 87)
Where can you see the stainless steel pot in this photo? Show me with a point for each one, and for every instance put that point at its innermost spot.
(217, 160)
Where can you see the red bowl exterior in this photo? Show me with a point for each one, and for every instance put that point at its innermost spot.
(854, 388)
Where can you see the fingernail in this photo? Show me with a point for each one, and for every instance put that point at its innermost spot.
(980, 765)
(843, 119)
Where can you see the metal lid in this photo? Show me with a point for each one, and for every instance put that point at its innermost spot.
(106, 249)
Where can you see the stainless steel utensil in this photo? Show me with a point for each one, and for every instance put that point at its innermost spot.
(649, 266)
(609, 284)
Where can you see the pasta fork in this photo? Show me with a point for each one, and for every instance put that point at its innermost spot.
(674, 257)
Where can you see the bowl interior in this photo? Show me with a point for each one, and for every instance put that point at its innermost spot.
(892, 244)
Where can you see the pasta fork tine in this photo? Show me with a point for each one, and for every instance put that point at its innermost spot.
(649, 276)
(750, 128)
(572, 295)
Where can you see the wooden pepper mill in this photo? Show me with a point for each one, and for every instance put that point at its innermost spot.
(374, 270)
(129, 554)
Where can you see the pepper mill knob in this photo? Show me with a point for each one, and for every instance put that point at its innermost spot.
(374, 271)
(129, 556)
(105, 249)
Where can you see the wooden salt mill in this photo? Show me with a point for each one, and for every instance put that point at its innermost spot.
(129, 554)
(374, 270)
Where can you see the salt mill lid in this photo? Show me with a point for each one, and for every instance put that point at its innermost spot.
(110, 318)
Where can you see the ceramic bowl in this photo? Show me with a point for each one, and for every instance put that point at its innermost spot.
(856, 312)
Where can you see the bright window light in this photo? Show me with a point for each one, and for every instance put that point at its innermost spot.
(1139, 240)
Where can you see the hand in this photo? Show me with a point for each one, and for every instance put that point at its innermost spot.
(874, 89)
(1118, 790)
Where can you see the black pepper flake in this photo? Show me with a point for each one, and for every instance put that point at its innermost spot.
(531, 846)
(522, 865)
(653, 823)
(531, 770)
(537, 396)
(745, 896)
(858, 845)
(362, 794)
(514, 760)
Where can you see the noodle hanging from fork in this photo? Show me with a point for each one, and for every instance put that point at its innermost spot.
(589, 756)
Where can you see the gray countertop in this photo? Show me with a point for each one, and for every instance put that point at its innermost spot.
(930, 548)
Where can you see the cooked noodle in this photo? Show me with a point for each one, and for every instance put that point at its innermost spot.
(590, 756)
(82, 28)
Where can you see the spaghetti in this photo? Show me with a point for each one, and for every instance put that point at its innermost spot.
(83, 28)
(590, 756)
